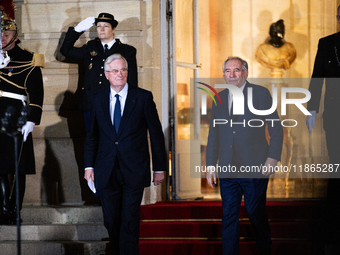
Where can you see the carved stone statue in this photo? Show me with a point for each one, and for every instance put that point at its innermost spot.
(276, 53)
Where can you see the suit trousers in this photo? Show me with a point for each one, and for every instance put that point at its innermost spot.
(121, 210)
(254, 191)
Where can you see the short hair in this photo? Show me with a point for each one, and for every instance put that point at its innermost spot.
(244, 63)
(111, 58)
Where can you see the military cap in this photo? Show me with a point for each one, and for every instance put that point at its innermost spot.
(106, 17)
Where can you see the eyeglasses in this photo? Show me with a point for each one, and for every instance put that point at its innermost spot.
(115, 71)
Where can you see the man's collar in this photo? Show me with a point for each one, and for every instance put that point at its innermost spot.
(242, 88)
(122, 93)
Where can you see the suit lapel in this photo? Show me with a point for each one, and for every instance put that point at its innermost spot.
(100, 47)
(245, 94)
(337, 40)
(225, 100)
(337, 47)
(114, 48)
(130, 103)
(229, 111)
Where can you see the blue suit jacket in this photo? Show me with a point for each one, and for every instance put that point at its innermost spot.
(130, 146)
(250, 143)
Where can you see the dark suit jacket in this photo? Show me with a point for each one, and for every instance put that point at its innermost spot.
(250, 143)
(130, 146)
(326, 66)
(92, 53)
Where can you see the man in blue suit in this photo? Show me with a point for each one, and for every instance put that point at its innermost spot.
(117, 153)
(239, 146)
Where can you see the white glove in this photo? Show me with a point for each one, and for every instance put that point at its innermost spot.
(26, 129)
(84, 25)
(310, 121)
(4, 60)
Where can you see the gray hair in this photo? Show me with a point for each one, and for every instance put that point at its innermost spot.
(244, 63)
(111, 58)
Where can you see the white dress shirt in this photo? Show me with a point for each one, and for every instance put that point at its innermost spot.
(122, 98)
(230, 98)
(109, 45)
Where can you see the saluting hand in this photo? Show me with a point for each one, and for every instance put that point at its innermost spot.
(84, 25)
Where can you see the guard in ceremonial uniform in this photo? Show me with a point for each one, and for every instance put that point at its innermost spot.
(94, 54)
(21, 84)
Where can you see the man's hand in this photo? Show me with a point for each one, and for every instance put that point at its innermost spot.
(158, 178)
(89, 174)
(84, 25)
(211, 176)
(26, 129)
(270, 164)
(310, 121)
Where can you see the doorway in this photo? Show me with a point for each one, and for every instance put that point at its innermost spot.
(188, 146)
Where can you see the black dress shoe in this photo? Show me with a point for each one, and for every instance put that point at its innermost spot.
(13, 219)
(4, 219)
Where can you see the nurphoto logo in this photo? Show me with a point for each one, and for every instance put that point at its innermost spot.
(238, 103)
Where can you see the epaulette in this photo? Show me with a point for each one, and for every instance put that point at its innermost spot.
(28, 51)
(38, 60)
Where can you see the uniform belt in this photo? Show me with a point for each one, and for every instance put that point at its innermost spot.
(14, 96)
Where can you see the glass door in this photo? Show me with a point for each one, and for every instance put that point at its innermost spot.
(184, 97)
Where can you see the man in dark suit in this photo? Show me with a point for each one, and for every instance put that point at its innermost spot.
(327, 67)
(240, 145)
(117, 148)
(94, 53)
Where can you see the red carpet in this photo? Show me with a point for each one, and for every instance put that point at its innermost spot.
(187, 228)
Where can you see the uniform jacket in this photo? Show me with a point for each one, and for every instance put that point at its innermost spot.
(250, 143)
(327, 66)
(130, 146)
(20, 76)
(92, 53)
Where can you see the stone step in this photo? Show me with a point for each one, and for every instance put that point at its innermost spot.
(54, 248)
(55, 232)
(62, 215)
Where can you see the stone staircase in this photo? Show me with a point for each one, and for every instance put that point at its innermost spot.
(57, 231)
